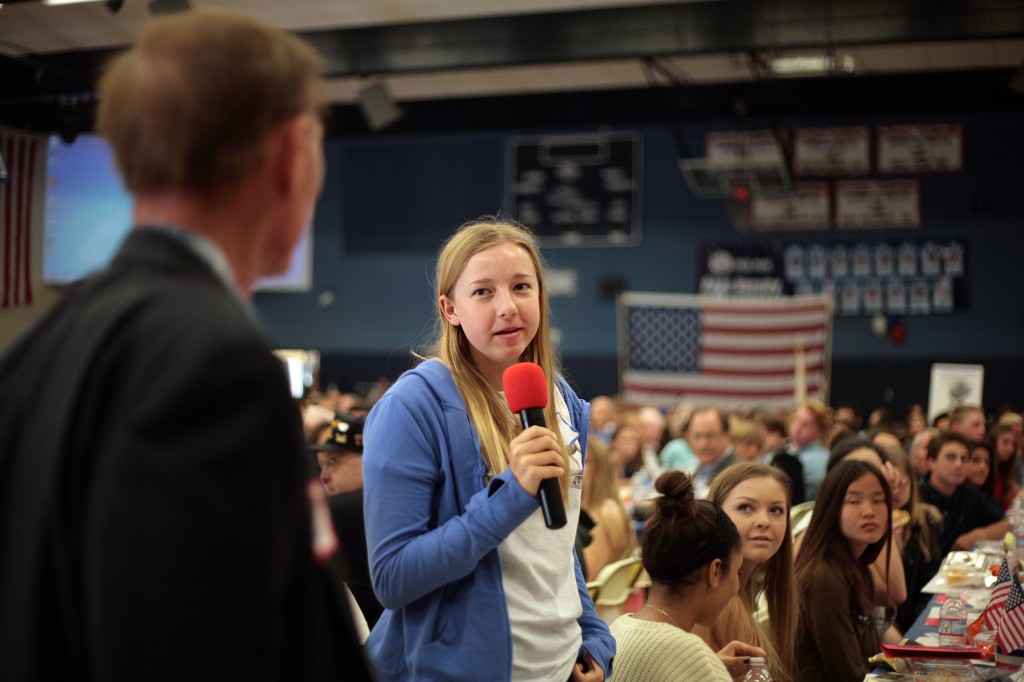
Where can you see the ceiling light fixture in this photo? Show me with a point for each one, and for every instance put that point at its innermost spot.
(66, 2)
(823, 65)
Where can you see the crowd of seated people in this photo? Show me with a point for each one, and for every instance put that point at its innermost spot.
(839, 522)
(933, 487)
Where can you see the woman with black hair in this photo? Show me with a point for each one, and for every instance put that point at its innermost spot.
(848, 531)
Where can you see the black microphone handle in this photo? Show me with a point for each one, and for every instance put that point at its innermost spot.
(550, 493)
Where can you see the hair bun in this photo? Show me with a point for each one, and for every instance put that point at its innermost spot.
(677, 496)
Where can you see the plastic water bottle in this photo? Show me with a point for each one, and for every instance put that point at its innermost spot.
(953, 623)
(1016, 517)
(758, 671)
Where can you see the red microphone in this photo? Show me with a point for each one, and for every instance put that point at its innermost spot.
(526, 391)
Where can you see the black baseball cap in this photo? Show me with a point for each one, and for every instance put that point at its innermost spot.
(346, 434)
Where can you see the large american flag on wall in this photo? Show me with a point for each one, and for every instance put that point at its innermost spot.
(21, 154)
(726, 352)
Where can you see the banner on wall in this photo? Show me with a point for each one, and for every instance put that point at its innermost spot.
(935, 148)
(807, 208)
(832, 151)
(871, 204)
(730, 353)
(743, 149)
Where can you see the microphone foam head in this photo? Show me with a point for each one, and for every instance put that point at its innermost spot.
(525, 386)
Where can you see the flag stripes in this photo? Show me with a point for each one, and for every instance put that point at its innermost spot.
(20, 154)
(736, 352)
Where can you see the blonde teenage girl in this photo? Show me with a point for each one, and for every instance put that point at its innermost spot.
(474, 585)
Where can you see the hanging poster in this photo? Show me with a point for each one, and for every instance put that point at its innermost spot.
(807, 207)
(936, 148)
(832, 151)
(743, 149)
(870, 204)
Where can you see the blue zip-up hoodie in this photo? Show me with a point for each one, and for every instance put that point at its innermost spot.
(433, 529)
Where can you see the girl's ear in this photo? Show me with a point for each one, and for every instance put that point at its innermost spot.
(447, 307)
(714, 574)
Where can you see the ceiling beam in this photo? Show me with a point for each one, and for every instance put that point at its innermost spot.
(687, 28)
(659, 30)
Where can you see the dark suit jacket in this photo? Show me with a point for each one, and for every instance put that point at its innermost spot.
(153, 517)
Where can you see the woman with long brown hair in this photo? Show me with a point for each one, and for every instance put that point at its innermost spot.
(849, 529)
(757, 499)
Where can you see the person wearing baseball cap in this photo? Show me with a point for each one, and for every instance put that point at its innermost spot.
(339, 454)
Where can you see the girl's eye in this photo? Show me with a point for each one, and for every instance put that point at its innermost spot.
(778, 511)
(480, 292)
(744, 507)
(522, 286)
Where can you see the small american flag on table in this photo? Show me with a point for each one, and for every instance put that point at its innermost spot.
(1010, 635)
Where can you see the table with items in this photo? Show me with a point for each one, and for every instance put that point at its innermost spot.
(971, 577)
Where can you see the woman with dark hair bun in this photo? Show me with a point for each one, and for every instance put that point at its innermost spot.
(692, 552)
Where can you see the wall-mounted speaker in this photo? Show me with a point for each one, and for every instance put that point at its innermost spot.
(378, 108)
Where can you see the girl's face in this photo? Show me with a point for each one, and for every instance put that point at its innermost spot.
(864, 517)
(496, 301)
(758, 508)
(977, 466)
(901, 493)
(1006, 446)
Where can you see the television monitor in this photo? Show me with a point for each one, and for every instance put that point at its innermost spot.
(88, 214)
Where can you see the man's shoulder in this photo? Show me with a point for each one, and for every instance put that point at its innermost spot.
(973, 498)
(930, 494)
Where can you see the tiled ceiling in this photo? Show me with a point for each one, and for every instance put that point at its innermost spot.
(30, 30)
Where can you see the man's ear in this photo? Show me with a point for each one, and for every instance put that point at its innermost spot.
(288, 148)
(447, 307)
(281, 151)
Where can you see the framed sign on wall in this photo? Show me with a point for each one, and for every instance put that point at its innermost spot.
(577, 190)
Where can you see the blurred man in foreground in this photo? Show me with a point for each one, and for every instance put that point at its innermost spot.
(154, 520)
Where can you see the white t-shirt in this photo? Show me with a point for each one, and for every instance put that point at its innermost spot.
(539, 576)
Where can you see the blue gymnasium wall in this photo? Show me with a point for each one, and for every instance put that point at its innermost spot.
(410, 191)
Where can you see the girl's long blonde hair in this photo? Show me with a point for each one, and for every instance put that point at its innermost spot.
(737, 619)
(488, 411)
